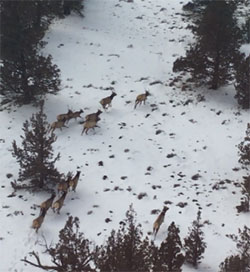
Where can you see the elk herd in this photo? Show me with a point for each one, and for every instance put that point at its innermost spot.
(90, 122)
(63, 188)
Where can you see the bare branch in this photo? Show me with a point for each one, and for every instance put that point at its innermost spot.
(40, 265)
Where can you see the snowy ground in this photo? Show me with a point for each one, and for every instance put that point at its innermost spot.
(155, 149)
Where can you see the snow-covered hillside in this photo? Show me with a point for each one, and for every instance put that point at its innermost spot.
(156, 149)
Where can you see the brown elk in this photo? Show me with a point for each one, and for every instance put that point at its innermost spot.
(36, 224)
(89, 124)
(106, 102)
(141, 98)
(48, 203)
(93, 116)
(57, 205)
(75, 114)
(64, 185)
(65, 116)
(74, 181)
(57, 124)
(159, 221)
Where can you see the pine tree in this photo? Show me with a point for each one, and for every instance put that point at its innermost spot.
(240, 262)
(245, 199)
(242, 85)
(25, 75)
(193, 244)
(125, 250)
(72, 5)
(244, 148)
(232, 263)
(209, 60)
(71, 253)
(169, 257)
(35, 157)
(29, 79)
(18, 34)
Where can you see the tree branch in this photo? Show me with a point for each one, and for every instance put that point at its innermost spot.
(39, 265)
(16, 186)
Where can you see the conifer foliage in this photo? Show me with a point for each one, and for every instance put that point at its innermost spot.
(71, 253)
(29, 79)
(35, 157)
(169, 257)
(244, 148)
(26, 75)
(194, 244)
(241, 261)
(125, 250)
(209, 60)
(242, 85)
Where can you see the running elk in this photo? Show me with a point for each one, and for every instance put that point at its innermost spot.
(159, 221)
(64, 185)
(57, 124)
(93, 116)
(74, 181)
(106, 102)
(65, 116)
(39, 220)
(48, 203)
(89, 124)
(141, 98)
(57, 205)
(76, 114)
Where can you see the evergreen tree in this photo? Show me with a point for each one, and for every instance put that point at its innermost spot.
(71, 253)
(232, 263)
(246, 191)
(244, 148)
(193, 244)
(210, 59)
(169, 257)
(242, 85)
(240, 262)
(18, 34)
(28, 79)
(35, 157)
(72, 5)
(245, 199)
(25, 75)
(125, 250)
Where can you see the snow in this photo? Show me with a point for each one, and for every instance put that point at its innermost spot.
(124, 42)
(245, 48)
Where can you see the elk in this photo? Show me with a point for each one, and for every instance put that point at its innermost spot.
(89, 124)
(159, 221)
(141, 98)
(47, 204)
(93, 116)
(57, 124)
(39, 220)
(57, 205)
(75, 114)
(64, 186)
(74, 181)
(106, 102)
(65, 116)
